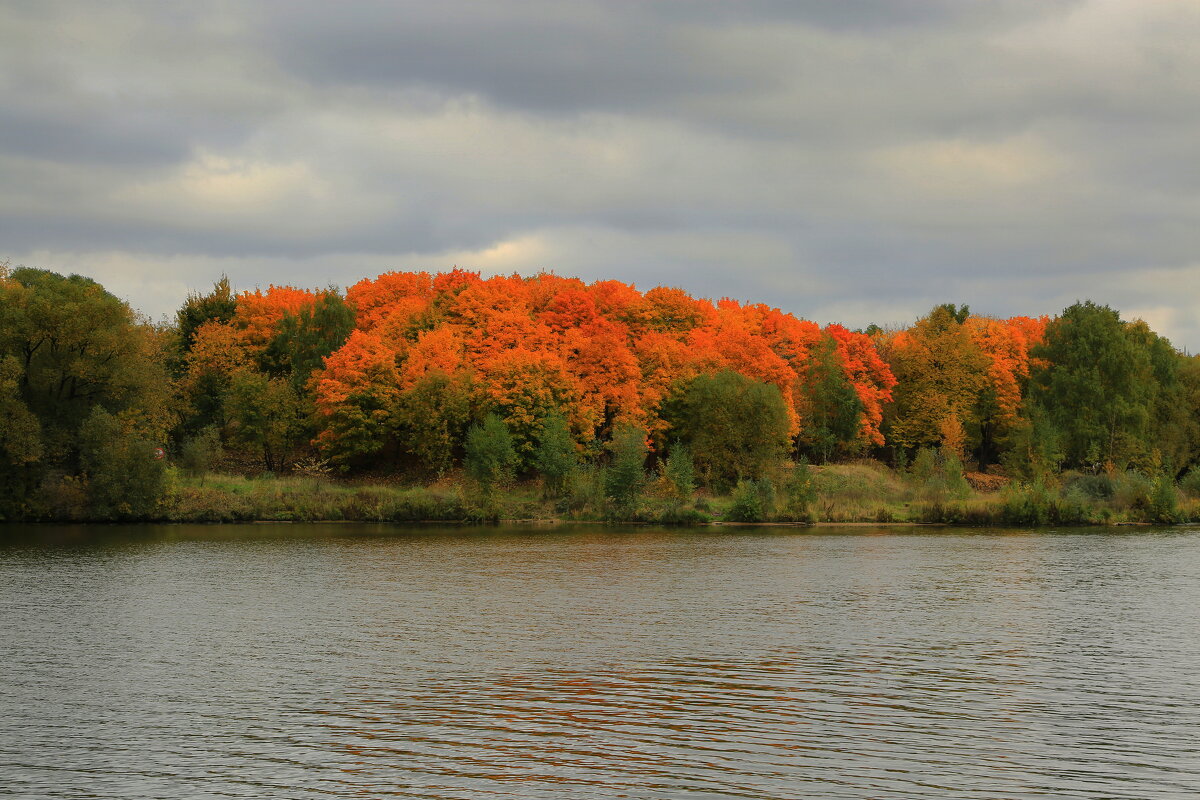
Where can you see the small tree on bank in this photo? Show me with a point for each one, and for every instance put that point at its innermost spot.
(680, 470)
(736, 427)
(626, 475)
(490, 457)
(124, 478)
(556, 458)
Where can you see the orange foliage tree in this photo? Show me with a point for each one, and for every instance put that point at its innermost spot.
(457, 345)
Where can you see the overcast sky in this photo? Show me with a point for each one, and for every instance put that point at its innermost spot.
(845, 160)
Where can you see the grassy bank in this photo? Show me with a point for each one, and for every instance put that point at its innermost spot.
(864, 492)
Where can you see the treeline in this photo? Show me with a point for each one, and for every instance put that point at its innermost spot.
(550, 381)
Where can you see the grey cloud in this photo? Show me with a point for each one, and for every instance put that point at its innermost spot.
(863, 159)
(542, 56)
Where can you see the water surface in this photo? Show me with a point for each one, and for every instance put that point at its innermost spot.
(317, 661)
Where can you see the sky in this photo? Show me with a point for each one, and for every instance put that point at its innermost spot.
(856, 161)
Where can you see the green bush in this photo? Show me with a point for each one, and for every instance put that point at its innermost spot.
(1132, 491)
(556, 457)
(490, 458)
(938, 477)
(1164, 501)
(680, 470)
(753, 501)
(1189, 484)
(199, 452)
(1029, 503)
(626, 475)
(124, 478)
(799, 491)
(1095, 487)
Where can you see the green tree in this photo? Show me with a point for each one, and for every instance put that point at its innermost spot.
(77, 346)
(266, 415)
(958, 313)
(941, 373)
(1187, 406)
(626, 474)
(432, 420)
(834, 409)
(557, 457)
(199, 452)
(737, 427)
(303, 340)
(20, 443)
(1173, 430)
(218, 305)
(1097, 387)
(680, 470)
(490, 459)
(125, 478)
(67, 347)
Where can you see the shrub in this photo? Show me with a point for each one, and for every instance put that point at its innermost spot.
(680, 470)
(1189, 484)
(626, 475)
(1029, 503)
(587, 490)
(938, 476)
(1095, 487)
(1132, 490)
(753, 501)
(799, 491)
(556, 457)
(490, 458)
(1164, 501)
(198, 453)
(124, 478)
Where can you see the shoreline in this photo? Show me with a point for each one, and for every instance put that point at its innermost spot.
(560, 522)
(861, 494)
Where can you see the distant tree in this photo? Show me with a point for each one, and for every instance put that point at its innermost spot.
(557, 457)
(66, 347)
(1005, 346)
(304, 338)
(200, 452)
(834, 409)
(941, 373)
(265, 415)
(1173, 429)
(958, 313)
(1097, 385)
(125, 480)
(680, 470)
(355, 397)
(432, 418)
(20, 442)
(626, 474)
(490, 459)
(737, 427)
(525, 388)
(219, 305)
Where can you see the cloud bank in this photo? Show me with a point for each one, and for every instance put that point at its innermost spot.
(856, 161)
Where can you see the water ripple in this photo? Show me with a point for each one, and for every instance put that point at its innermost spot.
(322, 662)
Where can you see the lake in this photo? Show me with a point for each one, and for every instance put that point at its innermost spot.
(327, 661)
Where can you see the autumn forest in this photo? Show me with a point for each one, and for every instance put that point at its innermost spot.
(415, 395)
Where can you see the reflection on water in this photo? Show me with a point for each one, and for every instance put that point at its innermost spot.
(336, 661)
